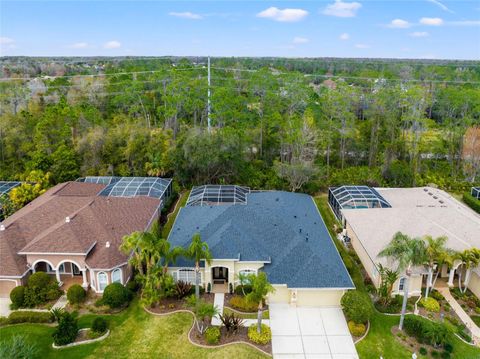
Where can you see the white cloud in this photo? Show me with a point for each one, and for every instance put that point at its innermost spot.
(283, 15)
(112, 44)
(78, 45)
(300, 40)
(6, 40)
(342, 9)
(431, 21)
(344, 36)
(362, 46)
(186, 15)
(419, 34)
(399, 24)
(440, 5)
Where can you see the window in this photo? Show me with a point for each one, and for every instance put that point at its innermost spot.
(187, 275)
(401, 284)
(102, 281)
(246, 272)
(117, 276)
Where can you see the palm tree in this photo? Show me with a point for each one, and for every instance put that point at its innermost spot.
(435, 253)
(407, 252)
(389, 277)
(197, 251)
(131, 244)
(260, 289)
(470, 259)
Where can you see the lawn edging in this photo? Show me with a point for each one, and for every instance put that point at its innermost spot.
(104, 336)
(193, 327)
(364, 334)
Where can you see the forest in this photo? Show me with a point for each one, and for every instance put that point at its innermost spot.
(275, 123)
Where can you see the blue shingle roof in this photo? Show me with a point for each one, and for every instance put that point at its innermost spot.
(281, 228)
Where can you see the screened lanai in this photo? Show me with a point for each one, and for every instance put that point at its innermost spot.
(352, 197)
(217, 194)
(476, 192)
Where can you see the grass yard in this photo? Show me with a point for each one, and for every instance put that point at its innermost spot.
(171, 218)
(134, 334)
(265, 315)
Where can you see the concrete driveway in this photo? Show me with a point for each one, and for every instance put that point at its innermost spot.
(4, 306)
(310, 333)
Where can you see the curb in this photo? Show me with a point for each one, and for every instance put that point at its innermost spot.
(193, 326)
(104, 336)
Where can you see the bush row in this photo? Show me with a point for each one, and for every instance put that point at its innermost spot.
(426, 331)
(28, 317)
(40, 289)
(472, 202)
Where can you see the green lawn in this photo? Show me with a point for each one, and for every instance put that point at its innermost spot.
(380, 340)
(171, 218)
(134, 334)
(266, 314)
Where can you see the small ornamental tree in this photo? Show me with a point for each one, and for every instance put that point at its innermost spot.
(261, 287)
(357, 306)
(76, 294)
(17, 296)
(66, 331)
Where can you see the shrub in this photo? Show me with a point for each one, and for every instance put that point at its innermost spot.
(241, 303)
(448, 347)
(445, 355)
(40, 289)
(182, 289)
(472, 202)
(17, 296)
(434, 354)
(430, 304)
(116, 295)
(426, 331)
(264, 337)
(57, 313)
(423, 351)
(18, 347)
(230, 288)
(132, 286)
(209, 287)
(357, 330)
(357, 306)
(231, 322)
(243, 289)
(99, 325)
(29, 317)
(212, 335)
(76, 294)
(435, 294)
(66, 331)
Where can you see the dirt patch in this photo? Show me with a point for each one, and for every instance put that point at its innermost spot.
(241, 335)
(169, 305)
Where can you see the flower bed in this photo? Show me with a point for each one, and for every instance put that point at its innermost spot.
(241, 335)
(84, 337)
(170, 305)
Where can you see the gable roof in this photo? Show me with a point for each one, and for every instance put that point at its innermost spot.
(41, 226)
(282, 229)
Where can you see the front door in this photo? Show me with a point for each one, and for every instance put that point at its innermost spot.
(220, 274)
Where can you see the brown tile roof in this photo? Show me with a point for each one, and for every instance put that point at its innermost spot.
(41, 227)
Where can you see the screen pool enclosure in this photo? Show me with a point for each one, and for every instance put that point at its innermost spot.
(154, 187)
(7, 186)
(476, 192)
(217, 194)
(354, 197)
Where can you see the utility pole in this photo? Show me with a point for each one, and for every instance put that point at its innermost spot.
(208, 98)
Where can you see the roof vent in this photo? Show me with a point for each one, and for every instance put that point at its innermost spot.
(300, 230)
(2, 227)
(107, 244)
(306, 239)
(67, 219)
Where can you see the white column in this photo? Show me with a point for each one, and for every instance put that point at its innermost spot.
(57, 274)
(450, 277)
(84, 275)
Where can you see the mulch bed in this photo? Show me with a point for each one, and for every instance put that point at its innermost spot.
(411, 343)
(225, 338)
(82, 336)
(169, 305)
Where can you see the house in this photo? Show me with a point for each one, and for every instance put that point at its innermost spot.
(74, 230)
(371, 217)
(277, 232)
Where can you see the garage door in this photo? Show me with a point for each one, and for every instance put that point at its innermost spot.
(318, 298)
(5, 288)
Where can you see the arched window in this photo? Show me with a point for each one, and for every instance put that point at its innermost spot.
(102, 281)
(117, 276)
(401, 284)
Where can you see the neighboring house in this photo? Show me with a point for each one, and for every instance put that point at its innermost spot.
(5, 188)
(74, 231)
(280, 233)
(371, 217)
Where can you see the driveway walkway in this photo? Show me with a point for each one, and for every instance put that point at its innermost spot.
(464, 317)
(310, 332)
(61, 302)
(218, 302)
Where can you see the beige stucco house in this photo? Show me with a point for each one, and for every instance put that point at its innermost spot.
(277, 232)
(371, 217)
(74, 231)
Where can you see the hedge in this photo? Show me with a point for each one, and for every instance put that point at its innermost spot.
(357, 306)
(22, 316)
(472, 202)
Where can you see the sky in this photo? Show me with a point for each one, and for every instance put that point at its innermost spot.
(332, 28)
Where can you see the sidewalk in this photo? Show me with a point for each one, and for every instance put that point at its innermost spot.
(464, 317)
(61, 302)
(218, 302)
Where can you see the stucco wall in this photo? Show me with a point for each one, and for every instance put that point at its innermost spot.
(55, 260)
(92, 277)
(414, 286)
(319, 298)
(281, 295)
(6, 285)
(474, 284)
